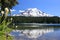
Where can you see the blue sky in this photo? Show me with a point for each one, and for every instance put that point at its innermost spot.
(49, 6)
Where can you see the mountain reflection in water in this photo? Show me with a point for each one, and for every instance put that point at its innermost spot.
(43, 33)
(31, 33)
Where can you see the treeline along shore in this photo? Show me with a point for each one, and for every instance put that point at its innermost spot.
(23, 19)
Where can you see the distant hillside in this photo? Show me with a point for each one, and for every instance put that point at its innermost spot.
(23, 19)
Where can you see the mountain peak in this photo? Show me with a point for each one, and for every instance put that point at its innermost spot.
(32, 9)
(34, 12)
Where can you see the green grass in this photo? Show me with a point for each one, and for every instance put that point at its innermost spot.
(3, 37)
(3, 34)
(4, 30)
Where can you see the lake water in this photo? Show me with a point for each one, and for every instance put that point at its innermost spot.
(36, 31)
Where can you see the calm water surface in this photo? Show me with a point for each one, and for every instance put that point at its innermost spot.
(43, 32)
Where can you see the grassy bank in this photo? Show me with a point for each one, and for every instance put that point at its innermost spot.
(4, 35)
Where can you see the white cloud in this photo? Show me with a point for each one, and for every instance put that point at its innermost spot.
(12, 10)
(21, 10)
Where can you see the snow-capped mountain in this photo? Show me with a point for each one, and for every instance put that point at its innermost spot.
(33, 12)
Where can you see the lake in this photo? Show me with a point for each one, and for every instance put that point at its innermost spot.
(36, 31)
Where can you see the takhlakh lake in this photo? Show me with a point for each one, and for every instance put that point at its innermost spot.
(36, 31)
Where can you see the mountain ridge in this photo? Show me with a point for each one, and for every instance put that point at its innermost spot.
(33, 12)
